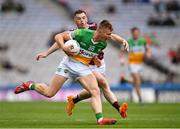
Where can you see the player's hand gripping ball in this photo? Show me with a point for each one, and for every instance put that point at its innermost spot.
(74, 46)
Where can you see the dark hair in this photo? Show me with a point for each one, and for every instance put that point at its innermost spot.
(105, 24)
(79, 11)
(134, 29)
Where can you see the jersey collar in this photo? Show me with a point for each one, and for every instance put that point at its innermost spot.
(94, 41)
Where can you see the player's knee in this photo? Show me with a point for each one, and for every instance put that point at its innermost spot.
(95, 92)
(49, 95)
(103, 83)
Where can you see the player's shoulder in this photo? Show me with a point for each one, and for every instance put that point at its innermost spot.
(130, 40)
(92, 26)
(143, 40)
(85, 31)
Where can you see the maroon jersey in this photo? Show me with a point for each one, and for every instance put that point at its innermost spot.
(92, 26)
(100, 56)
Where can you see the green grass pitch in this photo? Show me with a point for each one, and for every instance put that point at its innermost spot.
(53, 115)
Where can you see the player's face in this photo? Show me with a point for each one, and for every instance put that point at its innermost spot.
(81, 20)
(136, 34)
(105, 34)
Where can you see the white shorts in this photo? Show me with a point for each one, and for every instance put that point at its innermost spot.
(70, 68)
(135, 68)
(101, 69)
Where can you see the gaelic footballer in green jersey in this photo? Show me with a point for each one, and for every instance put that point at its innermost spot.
(89, 48)
(136, 50)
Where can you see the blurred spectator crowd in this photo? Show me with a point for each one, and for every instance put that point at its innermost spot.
(12, 6)
(174, 55)
(166, 13)
(5, 62)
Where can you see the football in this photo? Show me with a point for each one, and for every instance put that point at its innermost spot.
(75, 46)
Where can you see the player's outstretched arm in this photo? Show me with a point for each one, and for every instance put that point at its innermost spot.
(52, 49)
(116, 38)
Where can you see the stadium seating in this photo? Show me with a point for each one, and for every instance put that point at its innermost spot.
(28, 34)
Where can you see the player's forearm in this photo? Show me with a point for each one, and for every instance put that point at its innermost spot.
(116, 38)
(53, 48)
(59, 40)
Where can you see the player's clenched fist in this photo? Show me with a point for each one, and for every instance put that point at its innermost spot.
(125, 45)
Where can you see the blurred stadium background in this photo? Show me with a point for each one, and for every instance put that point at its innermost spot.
(27, 26)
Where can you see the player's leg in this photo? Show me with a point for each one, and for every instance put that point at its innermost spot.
(42, 88)
(84, 94)
(109, 95)
(106, 91)
(137, 84)
(89, 83)
(72, 100)
(135, 70)
(103, 84)
(58, 80)
(54, 87)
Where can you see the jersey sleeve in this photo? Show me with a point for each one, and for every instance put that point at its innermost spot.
(145, 43)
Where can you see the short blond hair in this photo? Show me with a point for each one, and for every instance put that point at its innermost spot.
(105, 24)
